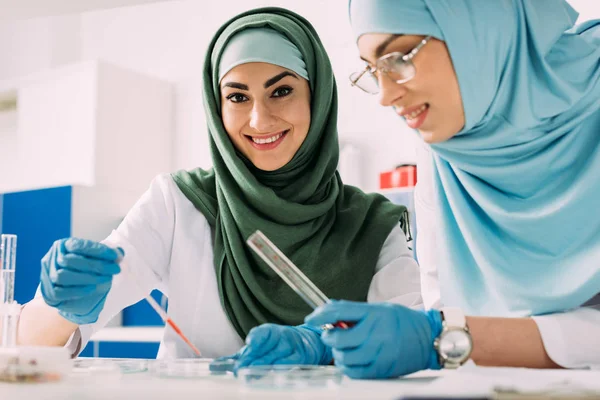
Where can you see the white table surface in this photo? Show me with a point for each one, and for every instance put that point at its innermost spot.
(468, 380)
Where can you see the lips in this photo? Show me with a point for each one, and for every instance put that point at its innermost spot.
(415, 116)
(411, 112)
(269, 141)
(264, 139)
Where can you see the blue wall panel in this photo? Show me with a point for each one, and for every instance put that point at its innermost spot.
(38, 218)
(122, 350)
(141, 314)
(128, 350)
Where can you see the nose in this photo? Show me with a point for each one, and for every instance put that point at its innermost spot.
(261, 118)
(389, 90)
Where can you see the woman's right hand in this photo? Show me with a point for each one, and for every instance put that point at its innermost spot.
(76, 277)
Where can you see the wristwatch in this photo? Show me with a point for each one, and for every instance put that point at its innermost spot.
(454, 345)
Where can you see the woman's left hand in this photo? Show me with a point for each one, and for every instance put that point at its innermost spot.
(387, 340)
(270, 344)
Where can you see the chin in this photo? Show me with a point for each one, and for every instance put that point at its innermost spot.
(432, 137)
(268, 166)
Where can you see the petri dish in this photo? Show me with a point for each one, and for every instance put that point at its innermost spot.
(130, 365)
(34, 364)
(86, 367)
(191, 368)
(298, 377)
(115, 366)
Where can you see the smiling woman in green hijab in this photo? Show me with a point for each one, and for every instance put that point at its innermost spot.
(288, 188)
(271, 106)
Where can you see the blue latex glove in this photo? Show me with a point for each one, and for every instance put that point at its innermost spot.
(76, 277)
(270, 344)
(387, 341)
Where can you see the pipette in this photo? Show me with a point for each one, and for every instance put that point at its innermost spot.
(165, 317)
(291, 274)
(167, 320)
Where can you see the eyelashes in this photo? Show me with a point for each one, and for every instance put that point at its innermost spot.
(237, 98)
(280, 92)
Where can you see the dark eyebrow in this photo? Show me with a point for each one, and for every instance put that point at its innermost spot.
(382, 46)
(277, 78)
(236, 85)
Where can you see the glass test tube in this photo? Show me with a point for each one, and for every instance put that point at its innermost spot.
(8, 258)
(9, 309)
(11, 312)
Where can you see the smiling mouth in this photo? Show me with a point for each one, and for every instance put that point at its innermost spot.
(415, 113)
(267, 139)
(269, 142)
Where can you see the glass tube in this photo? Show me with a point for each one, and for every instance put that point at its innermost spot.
(8, 257)
(10, 322)
(9, 309)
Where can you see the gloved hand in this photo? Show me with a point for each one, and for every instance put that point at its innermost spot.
(387, 341)
(270, 344)
(76, 277)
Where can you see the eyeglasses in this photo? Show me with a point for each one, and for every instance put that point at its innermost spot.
(397, 66)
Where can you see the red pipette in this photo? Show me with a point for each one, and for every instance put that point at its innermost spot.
(164, 316)
(167, 320)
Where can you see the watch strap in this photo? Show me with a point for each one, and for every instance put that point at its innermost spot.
(454, 317)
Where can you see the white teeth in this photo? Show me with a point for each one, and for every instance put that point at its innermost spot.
(267, 140)
(416, 113)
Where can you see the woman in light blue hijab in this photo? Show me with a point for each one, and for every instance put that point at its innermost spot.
(506, 96)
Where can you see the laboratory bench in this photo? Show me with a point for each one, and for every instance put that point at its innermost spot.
(467, 382)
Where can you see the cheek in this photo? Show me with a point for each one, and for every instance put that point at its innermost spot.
(301, 117)
(303, 123)
(231, 123)
(448, 81)
(442, 87)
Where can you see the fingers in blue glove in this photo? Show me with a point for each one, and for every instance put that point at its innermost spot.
(367, 362)
(261, 339)
(360, 372)
(59, 296)
(283, 351)
(63, 277)
(259, 342)
(335, 311)
(343, 339)
(71, 311)
(90, 248)
(359, 356)
(350, 338)
(81, 263)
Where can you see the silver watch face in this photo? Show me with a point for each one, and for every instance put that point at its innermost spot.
(455, 345)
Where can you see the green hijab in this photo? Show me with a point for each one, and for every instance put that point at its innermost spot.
(334, 233)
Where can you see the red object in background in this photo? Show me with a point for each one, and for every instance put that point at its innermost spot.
(402, 176)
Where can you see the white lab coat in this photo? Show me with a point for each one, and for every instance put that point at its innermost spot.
(168, 246)
(571, 339)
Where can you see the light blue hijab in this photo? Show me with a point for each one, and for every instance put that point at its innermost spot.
(261, 45)
(518, 188)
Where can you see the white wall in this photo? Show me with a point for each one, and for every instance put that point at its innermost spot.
(588, 9)
(23, 9)
(31, 45)
(168, 40)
